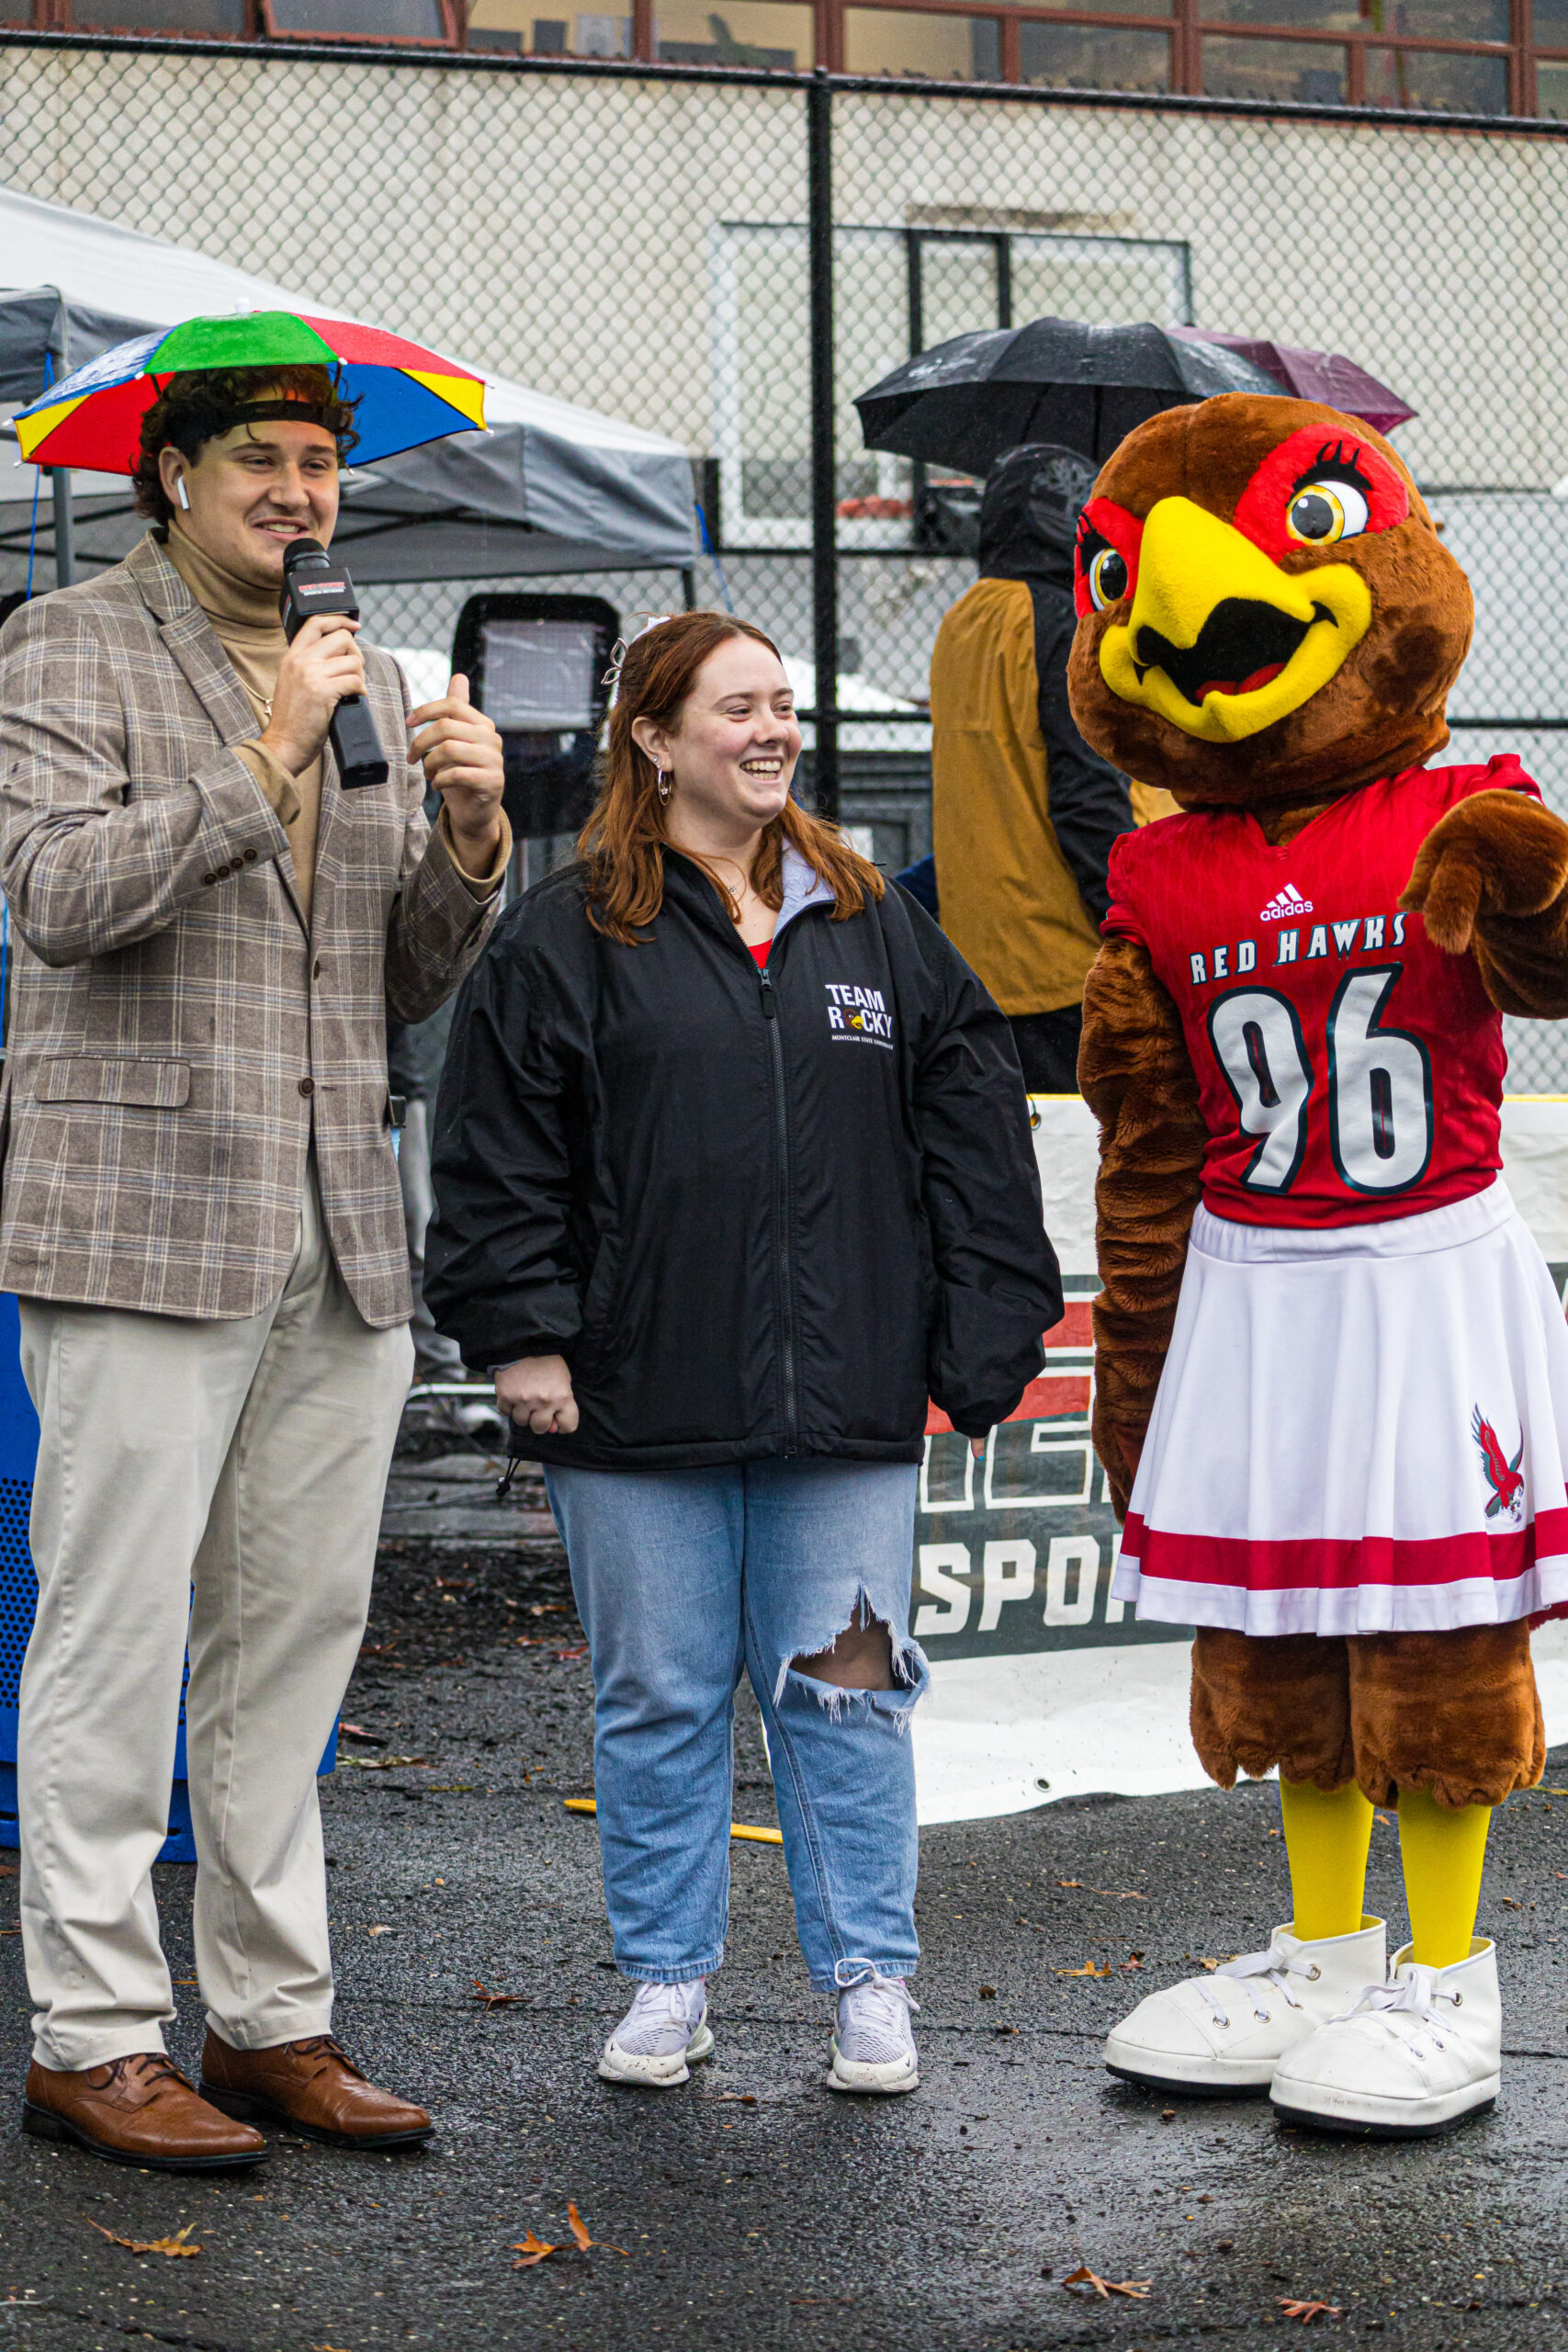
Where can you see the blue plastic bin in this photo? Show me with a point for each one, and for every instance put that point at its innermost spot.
(18, 1594)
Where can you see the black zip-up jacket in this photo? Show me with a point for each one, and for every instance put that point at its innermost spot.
(759, 1212)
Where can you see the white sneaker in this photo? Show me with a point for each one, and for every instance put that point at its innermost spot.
(1229, 2031)
(662, 2035)
(874, 2048)
(1414, 2056)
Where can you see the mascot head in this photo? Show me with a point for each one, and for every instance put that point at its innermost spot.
(1266, 612)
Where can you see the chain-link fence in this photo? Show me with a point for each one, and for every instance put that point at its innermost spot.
(670, 248)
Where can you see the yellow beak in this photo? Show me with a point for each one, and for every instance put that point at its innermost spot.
(1220, 640)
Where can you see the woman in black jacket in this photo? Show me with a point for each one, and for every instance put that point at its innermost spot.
(733, 1171)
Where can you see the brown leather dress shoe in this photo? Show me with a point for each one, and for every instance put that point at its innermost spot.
(314, 2088)
(136, 2110)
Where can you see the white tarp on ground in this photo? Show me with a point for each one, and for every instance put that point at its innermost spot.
(550, 488)
(998, 1734)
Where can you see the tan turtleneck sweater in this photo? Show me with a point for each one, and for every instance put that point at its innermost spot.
(247, 623)
(249, 627)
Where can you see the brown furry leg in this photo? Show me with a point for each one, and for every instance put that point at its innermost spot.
(1280, 1700)
(1457, 1713)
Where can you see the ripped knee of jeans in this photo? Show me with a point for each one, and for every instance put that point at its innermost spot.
(859, 1658)
(865, 1660)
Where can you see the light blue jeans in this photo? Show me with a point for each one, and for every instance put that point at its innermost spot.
(683, 1579)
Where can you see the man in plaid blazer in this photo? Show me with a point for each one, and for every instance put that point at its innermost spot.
(199, 1210)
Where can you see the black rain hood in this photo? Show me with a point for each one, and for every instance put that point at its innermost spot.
(1029, 526)
(759, 1212)
(1029, 514)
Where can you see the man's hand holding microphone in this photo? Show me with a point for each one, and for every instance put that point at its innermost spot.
(320, 692)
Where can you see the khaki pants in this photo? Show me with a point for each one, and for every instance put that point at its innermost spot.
(248, 1459)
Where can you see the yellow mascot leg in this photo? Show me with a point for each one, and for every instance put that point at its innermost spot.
(1442, 1849)
(1326, 1837)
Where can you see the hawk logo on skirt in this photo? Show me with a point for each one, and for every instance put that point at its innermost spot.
(1503, 1476)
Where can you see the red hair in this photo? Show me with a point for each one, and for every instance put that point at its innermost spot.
(624, 840)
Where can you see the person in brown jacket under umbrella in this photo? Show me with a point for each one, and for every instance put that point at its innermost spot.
(1024, 813)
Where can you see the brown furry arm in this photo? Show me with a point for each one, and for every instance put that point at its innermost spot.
(1138, 1080)
(1491, 878)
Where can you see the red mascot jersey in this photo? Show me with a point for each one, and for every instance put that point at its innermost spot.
(1348, 1070)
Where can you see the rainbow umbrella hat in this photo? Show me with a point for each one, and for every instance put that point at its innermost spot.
(406, 395)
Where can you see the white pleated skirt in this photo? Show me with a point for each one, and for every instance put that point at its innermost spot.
(1356, 1430)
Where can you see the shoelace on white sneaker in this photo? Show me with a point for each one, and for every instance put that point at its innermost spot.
(1276, 1966)
(1406, 2008)
(661, 2019)
(873, 2020)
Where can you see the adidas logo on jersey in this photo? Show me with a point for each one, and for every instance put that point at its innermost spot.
(1289, 901)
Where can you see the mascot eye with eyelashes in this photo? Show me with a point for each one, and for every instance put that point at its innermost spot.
(1329, 508)
(1106, 576)
(1105, 564)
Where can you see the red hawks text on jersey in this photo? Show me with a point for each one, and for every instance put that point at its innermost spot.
(1348, 1070)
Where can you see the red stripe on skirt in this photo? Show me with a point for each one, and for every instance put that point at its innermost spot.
(1325, 1564)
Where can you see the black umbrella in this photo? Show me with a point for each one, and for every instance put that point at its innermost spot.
(1082, 386)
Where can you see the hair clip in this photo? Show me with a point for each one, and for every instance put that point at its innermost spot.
(622, 647)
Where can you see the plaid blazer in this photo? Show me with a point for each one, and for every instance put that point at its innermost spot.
(179, 1036)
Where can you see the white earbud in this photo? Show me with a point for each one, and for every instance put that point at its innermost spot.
(181, 492)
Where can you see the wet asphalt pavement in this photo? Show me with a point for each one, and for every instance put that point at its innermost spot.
(752, 2207)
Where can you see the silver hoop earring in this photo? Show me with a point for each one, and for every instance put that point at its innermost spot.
(181, 492)
(663, 786)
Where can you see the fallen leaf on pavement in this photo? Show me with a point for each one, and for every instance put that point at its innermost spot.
(581, 1651)
(575, 2224)
(174, 2245)
(1509, 1904)
(1307, 2312)
(358, 1731)
(387, 1763)
(532, 2250)
(1136, 1962)
(1209, 1965)
(1089, 1969)
(1135, 2290)
(495, 2000)
(1069, 1881)
(377, 1931)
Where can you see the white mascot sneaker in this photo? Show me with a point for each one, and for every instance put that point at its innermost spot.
(1227, 2033)
(663, 2034)
(1414, 2056)
(874, 2049)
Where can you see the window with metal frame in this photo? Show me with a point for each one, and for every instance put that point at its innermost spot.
(899, 290)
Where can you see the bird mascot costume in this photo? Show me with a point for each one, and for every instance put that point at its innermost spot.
(1331, 1368)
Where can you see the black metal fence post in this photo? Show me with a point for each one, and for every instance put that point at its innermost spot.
(824, 455)
(64, 528)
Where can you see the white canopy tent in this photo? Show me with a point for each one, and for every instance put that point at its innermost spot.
(550, 488)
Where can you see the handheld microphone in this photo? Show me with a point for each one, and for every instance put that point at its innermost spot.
(314, 582)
